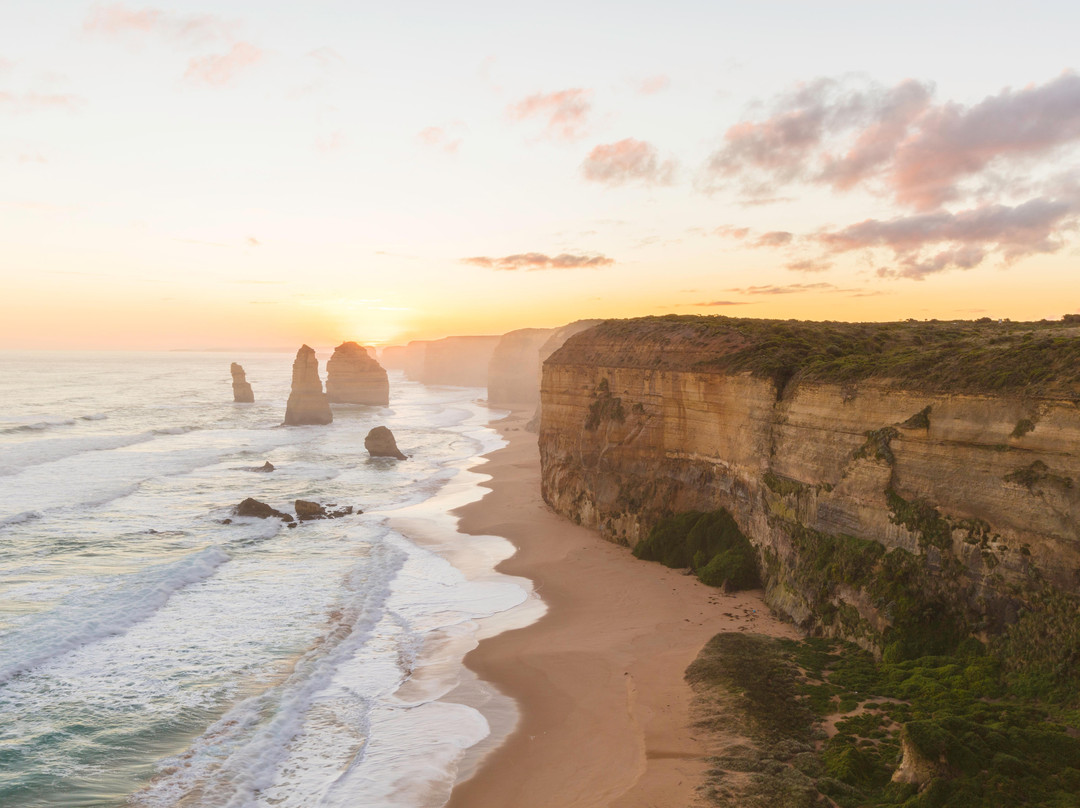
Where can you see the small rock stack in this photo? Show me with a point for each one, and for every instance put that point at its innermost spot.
(307, 401)
(241, 389)
(353, 376)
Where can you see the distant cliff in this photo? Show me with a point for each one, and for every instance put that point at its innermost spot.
(515, 367)
(898, 475)
(459, 361)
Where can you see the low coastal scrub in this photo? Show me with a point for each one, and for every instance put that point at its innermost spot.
(709, 543)
(954, 356)
(823, 724)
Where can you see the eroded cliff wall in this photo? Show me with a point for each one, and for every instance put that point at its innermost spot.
(981, 490)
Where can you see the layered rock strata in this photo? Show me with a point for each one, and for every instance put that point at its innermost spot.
(354, 377)
(307, 402)
(242, 393)
(981, 490)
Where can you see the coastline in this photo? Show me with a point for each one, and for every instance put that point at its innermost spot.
(603, 710)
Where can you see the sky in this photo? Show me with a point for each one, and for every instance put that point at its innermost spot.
(260, 174)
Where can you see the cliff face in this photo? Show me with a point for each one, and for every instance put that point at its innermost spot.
(354, 377)
(307, 402)
(514, 369)
(458, 361)
(981, 489)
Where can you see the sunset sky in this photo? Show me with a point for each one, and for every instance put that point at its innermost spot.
(250, 174)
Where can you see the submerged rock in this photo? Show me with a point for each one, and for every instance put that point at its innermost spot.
(307, 401)
(241, 389)
(380, 443)
(307, 510)
(267, 466)
(353, 376)
(260, 510)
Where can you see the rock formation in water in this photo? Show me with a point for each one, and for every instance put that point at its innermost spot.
(354, 377)
(306, 510)
(884, 472)
(307, 402)
(241, 389)
(380, 443)
(260, 510)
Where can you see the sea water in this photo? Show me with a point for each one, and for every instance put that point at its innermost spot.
(157, 650)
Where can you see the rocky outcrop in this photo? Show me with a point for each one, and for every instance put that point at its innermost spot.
(241, 389)
(380, 443)
(260, 510)
(265, 467)
(307, 511)
(307, 402)
(979, 489)
(354, 377)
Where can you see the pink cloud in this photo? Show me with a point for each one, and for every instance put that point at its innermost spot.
(653, 85)
(531, 262)
(774, 238)
(927, 243)
(437, 138)
(728, 231)
(334, 142)
(117, 19)
(627, 161)
(565, 111)
(790, 289)
(219, 69)
(894, 141)
(808, 265)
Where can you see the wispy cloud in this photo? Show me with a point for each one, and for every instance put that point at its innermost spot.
(532, 261)
(219, 69)
(21, 103)
(789, 289)
(116, 19)
(564, 112)
(327, 57)
(652, 85)
(435, 137)
(725, 303)
(628, 161)
(927, 243)
(809, 265)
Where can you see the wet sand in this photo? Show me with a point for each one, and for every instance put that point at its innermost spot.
(598, 680)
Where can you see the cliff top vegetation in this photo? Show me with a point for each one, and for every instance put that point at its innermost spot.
(980, 356)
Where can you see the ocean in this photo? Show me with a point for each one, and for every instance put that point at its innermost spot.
(153, 653)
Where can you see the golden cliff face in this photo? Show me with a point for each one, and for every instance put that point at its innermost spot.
(982, 489)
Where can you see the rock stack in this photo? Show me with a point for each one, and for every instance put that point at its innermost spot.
(307, 401)
(241, 390)
(354, 377)
(380, 443)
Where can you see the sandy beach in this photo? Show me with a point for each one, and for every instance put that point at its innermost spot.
(598, 680)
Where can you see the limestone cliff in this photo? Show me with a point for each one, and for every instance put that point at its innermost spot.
(241, 388)
(513, 377)
(458, 361)
(354, 377)
(832, 445)
(307, 402)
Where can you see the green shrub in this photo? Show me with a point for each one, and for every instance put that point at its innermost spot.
(709, 543)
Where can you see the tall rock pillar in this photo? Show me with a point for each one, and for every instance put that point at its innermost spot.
(354, 377)
(307, 401)
(241, 389)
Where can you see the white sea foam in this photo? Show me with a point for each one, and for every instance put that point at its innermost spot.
(93, 617)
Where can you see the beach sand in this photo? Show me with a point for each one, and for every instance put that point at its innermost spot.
(598, 680)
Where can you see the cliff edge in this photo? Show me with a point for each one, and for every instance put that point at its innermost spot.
(898, 480)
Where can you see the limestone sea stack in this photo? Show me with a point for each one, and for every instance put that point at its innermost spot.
(241, 390)
(307, 401)
(353, 376)
(380, 443)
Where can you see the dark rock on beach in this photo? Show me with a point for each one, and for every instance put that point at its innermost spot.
(306, 511)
